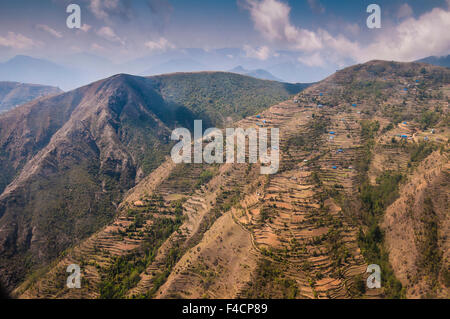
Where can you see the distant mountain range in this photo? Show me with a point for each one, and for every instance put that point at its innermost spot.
(13, 94)
(75, 70)
(26, 69)
(175, 65)
(258, 73)
(439, 61)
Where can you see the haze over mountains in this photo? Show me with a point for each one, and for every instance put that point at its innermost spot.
(75, 70)
(80, 69)
(259, 73)
(439, 61)
(13, 94)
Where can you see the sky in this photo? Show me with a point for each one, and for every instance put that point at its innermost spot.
(315, 34)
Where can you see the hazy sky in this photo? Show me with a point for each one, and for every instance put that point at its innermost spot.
(320, 32)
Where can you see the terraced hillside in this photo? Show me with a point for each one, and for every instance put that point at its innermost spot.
(66, 161)
(354, 148)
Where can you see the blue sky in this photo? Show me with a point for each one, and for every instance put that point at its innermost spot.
(324, 34)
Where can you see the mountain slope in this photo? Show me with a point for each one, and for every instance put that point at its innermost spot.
(307, 232)
(259, 73)
(439, 61)
(26, 69)
(13, 94)
(221, 98)
(66, 160)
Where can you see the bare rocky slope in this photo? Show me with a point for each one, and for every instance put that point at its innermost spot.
(363, 180)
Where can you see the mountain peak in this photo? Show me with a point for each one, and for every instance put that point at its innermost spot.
(437, 60)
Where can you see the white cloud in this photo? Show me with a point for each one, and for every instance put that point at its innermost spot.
(46, 28)
(85, 27)
(159, 45)
(103, 9)
(410, 40)
(17, 41)
(271, 19)
(109, 34)
(262, 53)
(413, 38)
(316, 6)
(405, 11)
(313, 60)
(352, 28)
(97, 47)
